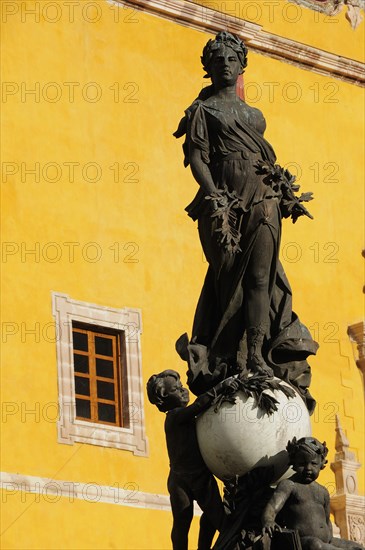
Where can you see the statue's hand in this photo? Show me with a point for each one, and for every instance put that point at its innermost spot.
(213, 205)
(270, 527)
(232, 383)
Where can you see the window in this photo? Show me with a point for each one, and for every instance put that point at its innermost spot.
(99, 375)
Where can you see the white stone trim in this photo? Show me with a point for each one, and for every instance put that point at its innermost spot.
(91, 492)
(66, 310)
(205, 19)
(51, 490)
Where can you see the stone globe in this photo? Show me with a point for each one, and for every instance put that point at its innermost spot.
(239, 437)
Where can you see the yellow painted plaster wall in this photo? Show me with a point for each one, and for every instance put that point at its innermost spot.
(146, 72)
(35, 522)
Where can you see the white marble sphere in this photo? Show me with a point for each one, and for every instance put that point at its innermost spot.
(240, 437)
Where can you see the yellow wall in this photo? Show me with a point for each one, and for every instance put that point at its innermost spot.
(41, 523)
(158, 60)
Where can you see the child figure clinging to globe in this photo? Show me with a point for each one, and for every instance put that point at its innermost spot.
(304, 505)
(189, 477)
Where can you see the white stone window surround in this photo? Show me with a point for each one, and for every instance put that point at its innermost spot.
(71, 430)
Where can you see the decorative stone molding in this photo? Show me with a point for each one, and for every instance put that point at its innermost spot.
(329, 7)
(353, 14)
(357, 527)
(259, 41)
(347, 506)
(70, 430)
(356, 333)
(351, 525)
(333, 7)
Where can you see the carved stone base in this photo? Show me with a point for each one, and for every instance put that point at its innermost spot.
(349, 512)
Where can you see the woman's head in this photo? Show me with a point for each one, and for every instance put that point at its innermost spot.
(223, 40)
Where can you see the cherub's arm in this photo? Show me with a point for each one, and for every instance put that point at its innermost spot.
(275, 504)
(203, 402)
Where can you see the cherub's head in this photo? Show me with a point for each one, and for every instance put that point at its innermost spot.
(308, 457)
(166, 391)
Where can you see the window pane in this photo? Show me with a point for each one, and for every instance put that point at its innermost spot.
(80, 340)
(104, 368)
(103, 346)
(105, 390)
(82, 385)
(106, 412)
(81, 363)
(83, 408)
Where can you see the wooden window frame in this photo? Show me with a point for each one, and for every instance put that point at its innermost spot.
(131, 435)
(120, 401)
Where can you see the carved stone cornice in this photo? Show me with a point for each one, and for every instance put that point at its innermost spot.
(290, 51)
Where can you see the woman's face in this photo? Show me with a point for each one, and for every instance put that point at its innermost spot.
(225, 67)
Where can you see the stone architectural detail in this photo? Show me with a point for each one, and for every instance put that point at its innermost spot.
(353, 14)
(345, 464)
(347, 506)
(258, 40)
(357, 334)
(333, 7)
(357, 527)
(329, 7)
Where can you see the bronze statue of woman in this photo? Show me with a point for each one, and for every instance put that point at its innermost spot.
(244, 320)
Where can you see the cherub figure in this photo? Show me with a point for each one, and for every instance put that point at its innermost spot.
(189, 477)
(304, 505)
